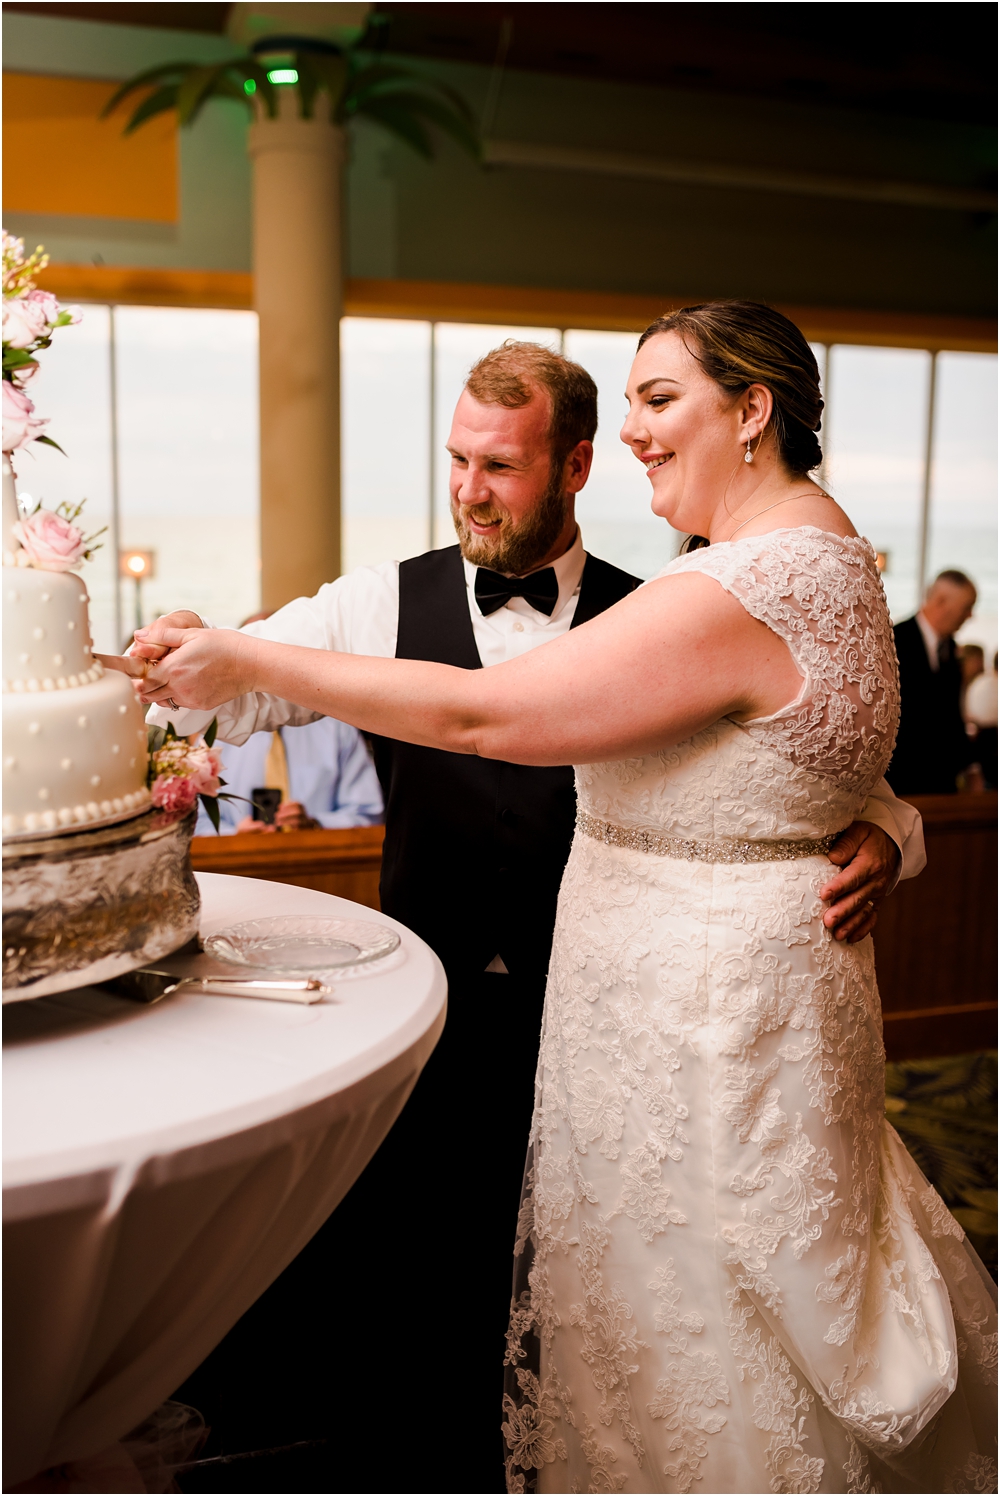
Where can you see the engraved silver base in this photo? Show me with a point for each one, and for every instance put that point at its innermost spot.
(87, 905)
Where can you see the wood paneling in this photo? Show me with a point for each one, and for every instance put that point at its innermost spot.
(936, 939)
(447, 301)
(59, 156)
(345, 861)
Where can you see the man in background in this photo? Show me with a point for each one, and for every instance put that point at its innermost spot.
(932, 747)
(322, 772)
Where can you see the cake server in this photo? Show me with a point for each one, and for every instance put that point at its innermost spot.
(149, 983)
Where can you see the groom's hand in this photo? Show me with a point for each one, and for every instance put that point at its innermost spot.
(143, 649)
(869, 860)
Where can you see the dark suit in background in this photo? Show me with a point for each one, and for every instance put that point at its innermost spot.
(932, 747)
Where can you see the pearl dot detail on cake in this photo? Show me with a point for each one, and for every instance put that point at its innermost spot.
(81, 721)
(43, 793)
(95, 779)
(34, 727)
(66, 763)
(38, 633)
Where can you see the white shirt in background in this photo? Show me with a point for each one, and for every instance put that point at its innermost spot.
(359, 614)
(931, 639)
(981, 700)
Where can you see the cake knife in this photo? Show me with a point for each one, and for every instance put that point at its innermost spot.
(149, 983)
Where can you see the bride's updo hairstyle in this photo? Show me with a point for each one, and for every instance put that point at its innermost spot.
(740, 343)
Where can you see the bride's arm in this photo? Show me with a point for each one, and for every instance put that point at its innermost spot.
(673, 657)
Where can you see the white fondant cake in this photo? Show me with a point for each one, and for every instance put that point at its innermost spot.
(74, 737)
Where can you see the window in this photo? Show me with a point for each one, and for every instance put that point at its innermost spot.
(175, 472)
(909, 441)
(910, 451)
(962, 528)
(875, 440)
(613, 509)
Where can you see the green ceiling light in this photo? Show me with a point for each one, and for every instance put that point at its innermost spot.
(249, 86)
(283, 75)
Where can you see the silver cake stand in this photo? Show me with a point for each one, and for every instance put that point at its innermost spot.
(89, 905)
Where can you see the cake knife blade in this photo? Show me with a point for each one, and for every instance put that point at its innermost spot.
(150, 983)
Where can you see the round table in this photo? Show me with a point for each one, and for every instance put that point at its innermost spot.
(164, 1164)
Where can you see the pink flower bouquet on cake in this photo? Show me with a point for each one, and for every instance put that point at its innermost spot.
(30, 317)
(51, 540)
(185, 770)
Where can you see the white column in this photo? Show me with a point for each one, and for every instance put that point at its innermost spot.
(298, 289)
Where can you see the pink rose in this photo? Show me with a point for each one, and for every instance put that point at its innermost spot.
(52, 543)
(20, 424)
(174, 793)
(205, 767)
(47, 306)
(24, 320)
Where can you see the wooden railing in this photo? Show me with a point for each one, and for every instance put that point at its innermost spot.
(936, 939)
(935, 945)
(345, 861)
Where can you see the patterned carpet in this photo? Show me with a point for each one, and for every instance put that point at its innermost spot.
(946, 1113)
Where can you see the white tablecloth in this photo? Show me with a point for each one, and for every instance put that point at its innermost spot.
(164, 1164)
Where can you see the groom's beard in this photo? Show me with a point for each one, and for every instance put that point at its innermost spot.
(515, 549)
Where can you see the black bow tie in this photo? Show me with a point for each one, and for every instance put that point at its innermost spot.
(540, 590)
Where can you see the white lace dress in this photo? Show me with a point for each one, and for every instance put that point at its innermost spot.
(730, 1274)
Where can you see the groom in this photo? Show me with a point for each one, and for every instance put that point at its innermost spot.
(474, 852)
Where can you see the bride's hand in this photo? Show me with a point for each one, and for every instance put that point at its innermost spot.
(143, 649)
(203, 669)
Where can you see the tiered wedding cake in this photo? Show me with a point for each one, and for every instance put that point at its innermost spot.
(74, 738)
(96, 882)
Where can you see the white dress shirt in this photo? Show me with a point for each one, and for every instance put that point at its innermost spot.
(359, 614)
(931, 639)
(330, 774)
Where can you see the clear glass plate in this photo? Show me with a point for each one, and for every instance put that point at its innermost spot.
(303, 947)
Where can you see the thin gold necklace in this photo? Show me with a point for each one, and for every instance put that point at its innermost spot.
(787, 500)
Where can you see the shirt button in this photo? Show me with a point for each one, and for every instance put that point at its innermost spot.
(519, 628)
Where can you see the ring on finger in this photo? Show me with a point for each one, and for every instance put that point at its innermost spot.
(869, 904)
(171, 703)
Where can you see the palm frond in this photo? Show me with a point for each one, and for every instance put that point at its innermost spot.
(439, 113)
(163, 71)
(196, 88)
(158, 102)
(402, 101)
(320, 71)
(400, 122)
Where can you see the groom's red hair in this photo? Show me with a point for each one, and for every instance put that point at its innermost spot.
(513, 374)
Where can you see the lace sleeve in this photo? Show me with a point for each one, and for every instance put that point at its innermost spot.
(823, 596)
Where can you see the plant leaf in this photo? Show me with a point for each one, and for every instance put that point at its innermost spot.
(210, 731)
(48, 442)
(211, 809)
(402, 123)
(162, 71)
(157, 102)
(196, 87)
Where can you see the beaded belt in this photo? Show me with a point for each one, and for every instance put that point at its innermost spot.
(701, 851)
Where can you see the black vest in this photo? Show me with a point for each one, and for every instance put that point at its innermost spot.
(474, 848)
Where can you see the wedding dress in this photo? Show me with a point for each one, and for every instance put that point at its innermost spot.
(730, 1274)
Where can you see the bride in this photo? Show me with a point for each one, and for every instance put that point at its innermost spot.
(730, 1272)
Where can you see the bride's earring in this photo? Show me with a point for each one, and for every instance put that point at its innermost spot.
(748, 454)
